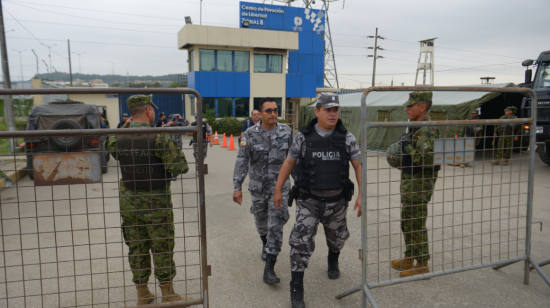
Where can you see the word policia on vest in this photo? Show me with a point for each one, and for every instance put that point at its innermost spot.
(330, 155)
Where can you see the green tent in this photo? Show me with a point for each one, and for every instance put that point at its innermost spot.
(388, 107)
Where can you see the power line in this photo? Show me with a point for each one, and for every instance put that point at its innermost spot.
(101, 43)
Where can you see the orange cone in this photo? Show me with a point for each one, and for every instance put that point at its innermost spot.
(224, 144)
(216, 139)
(231, 143)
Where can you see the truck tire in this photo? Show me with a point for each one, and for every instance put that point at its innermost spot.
(29, 167)
(67, 143)
(104, 168)
(543, 155)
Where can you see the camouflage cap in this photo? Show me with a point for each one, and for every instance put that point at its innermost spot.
(475, 111)
(328, 99)
(419, 96)
(511, 108)
(140, 100)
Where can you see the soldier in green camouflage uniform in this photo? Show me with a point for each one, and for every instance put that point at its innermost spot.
(417, 184)
(147, 217)
(471, 131)
(507, 135)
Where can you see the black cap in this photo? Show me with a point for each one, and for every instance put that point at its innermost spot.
(162, 113)
(125, 115)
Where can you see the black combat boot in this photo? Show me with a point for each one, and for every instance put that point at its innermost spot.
(297, 290)
(333, 271)
(264, 242)
(269, 270)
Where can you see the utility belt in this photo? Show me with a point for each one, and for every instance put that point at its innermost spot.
(297, 192)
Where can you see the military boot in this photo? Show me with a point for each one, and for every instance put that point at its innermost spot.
(297, 290)
(505, 162)
(467, 165)
(269, 270)
(461, 165)
(403, 265)
(333, 271)
(168, 294)
(496, 161)
(417, 269)
(144, 295)
(264, 242)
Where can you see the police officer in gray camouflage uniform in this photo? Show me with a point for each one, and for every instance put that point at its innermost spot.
(264, 148)
(322, 153)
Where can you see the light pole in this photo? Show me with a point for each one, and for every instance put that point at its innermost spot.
(21, 63)
(113, 70)
(79, 67)
(37, 75)
(48, 68)
(50, 54)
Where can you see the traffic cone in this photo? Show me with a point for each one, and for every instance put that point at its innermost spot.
(216, 140)
(224, 144)
(231, 143)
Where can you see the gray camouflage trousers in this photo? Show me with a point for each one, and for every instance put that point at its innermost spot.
(270, 221)
(309, 213)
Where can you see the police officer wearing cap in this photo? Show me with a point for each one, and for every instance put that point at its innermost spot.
(263, 150)
(162, 120)
(321, 152)
(123, 123)
(147, 163)
(507, 134)
(414, 152)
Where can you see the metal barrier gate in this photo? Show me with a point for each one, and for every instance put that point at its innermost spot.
(62, 244)
(471, 214)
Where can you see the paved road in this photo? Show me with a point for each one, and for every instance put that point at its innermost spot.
(234, 246)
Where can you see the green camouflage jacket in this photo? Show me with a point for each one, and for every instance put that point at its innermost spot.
(168, 150)
(422, 148)
(471, 131)
(508, 129)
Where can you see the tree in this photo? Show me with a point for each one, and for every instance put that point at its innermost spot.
(174, 84)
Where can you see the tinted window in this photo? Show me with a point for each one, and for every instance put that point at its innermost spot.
(260, 64)
(225, 61)
(207, 60)
(242, 60)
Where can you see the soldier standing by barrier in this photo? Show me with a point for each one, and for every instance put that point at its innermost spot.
(506, 139)
(145, 199)
(418, 176)
(264, 146)
(471, 131)
(324, 149)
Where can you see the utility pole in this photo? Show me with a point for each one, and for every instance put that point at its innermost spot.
(37, 75)
(50, 55)
(113, 71)
(376, 47)
(201, 12)
(70, 66)
(48, 68)
(21, 63)
(8, 102)
(79, 67)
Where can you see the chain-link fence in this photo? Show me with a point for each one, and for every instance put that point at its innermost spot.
(445, 196)
(107, 217)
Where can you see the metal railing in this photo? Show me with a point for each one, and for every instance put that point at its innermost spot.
(475, 213)
(62, 244)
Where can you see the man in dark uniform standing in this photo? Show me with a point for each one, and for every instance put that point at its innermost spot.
(122, 124)
(162, 120)
(323, 149)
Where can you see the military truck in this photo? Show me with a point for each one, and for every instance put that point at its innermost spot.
(541, 85)
(66, 114)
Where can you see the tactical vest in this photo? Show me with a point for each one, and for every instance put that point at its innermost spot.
(203, 130)
(406, 160)
(139, 166)
(325, 165)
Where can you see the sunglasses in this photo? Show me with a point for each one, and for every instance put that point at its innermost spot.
(270, 111)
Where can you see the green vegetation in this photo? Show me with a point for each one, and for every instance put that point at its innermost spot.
(4, 146)
(21, 107)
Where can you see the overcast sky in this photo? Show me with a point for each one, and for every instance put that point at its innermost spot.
(476, 38)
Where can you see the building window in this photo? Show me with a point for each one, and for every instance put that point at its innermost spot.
(242, 107)
(278, 101)
(208, 103)
(275, 63)
(268, 63)
(191, 61)
(439, 115)
(345, 116)
(225, 61)
(242, 61)
(383, 116)
(260, 63)
(207, 60)
(225, 107)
